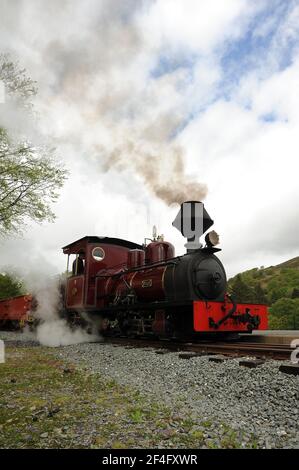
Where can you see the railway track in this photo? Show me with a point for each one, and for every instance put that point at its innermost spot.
(201, 348)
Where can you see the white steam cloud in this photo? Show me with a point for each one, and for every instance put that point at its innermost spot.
(52, 329)
(102, 94)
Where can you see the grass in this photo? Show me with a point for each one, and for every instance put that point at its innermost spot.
(46, 403)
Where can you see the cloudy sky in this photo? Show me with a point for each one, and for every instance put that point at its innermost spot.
(151, 101)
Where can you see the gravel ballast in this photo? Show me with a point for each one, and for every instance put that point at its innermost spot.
(261, 403)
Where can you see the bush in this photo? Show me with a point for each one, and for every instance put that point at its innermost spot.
(284, 314)
(10, 286)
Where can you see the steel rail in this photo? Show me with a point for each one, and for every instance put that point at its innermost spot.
(264, 350)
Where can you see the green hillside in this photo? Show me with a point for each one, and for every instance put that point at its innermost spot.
(291, 263)
(276, 286)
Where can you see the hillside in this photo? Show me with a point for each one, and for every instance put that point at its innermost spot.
(291, 263)
(276, 286)
(272, 282)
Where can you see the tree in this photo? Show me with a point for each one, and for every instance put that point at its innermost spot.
(18, 85)
(29, 180)
(29, 175)
(284, 314)
(277, 293)
(259, 294)
(295, 293)
(241, 291)
(276, 283)
(10, 286)
(280, 323)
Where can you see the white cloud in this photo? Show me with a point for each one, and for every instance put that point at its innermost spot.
(193, 25)
(95, 63)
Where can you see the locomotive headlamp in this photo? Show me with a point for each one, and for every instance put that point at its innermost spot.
(212, 238)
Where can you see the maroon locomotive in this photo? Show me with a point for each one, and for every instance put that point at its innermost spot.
(147, 290)
(129, 289)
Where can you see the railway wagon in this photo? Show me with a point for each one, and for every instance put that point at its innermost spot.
(15, 312)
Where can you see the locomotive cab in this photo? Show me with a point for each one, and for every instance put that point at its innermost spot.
(92, 255)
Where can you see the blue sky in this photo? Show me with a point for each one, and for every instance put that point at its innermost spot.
(267, 44)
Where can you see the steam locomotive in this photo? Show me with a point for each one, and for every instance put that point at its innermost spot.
(145, 290)
(129, 289)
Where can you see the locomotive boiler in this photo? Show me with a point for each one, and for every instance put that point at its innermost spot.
(134, 289)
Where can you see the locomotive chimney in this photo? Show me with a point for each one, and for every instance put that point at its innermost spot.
(192, 221)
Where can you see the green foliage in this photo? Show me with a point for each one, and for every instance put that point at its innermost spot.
(276, 286)
(295, 293)
(29, 175)
(17, 84)
(29, 180)
(137, 416)
(259, 294)
(284, 314)
(10, 286)
(268, 284)
(280, 323)
(241, 291)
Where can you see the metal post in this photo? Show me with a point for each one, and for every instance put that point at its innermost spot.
(68, 264)
(76, 270)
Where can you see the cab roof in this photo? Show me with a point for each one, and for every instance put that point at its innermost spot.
(82, 242)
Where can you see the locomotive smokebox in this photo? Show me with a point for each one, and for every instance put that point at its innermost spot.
(192, 221)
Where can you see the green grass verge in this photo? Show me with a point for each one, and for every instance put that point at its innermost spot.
(46, 403)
